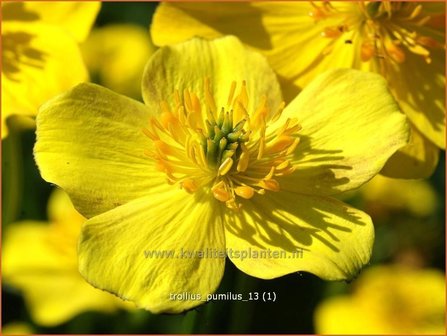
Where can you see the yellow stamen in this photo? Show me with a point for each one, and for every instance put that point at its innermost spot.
(189, 185)
(272, 185)
(244, 192)
(225, 166)
(232, 153)
(386, 31)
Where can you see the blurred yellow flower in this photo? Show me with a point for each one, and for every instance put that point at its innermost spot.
(40, 54)
(17, 328)
(403, 41)
(117, 54)
(214, 160)
(40, 259)
(415, 196)
(387, 300)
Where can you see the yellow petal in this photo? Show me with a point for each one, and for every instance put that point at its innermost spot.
(65, 219)
(293, 41)
(126, 250)
(278, 29)
(176, 22)
(117, 54)
(335, 239)
(223, 60)
(76, 18)
(418, 159)
(351, 125)
(420, 90)
(35, 58)
(48, 277)
(90, 142)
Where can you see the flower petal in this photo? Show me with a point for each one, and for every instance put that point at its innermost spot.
(126, 250)
(223, 60)
(351, 125)
(74, 16)
(176, 22)
(335, 239)
(52, 287)
(35, 58)
(277, 29)
(90, 142)
(418, 159)
(421, 93)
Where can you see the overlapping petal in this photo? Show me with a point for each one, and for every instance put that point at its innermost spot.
(185, 66)
(421, 94)
(350, 124)
(291, 36)
(420, 158)
(90, 142)
(335, 239)
(76, 17)
(126, 250)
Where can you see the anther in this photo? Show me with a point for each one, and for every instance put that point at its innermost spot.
(244, 192)
(225, 166)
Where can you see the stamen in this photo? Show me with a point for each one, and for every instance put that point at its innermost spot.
(231, 94)
(227, 152)
(220, 193)
(385, 30)
(244, 192)
(189, 185)
(225, 166)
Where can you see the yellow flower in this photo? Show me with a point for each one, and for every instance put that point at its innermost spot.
(387, 300)
(40, 259)
(117, 54)
(214, 160)
(403, 41)
(415, 196)
(40, 55)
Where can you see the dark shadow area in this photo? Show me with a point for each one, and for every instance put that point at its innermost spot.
(16, 11)
(17, 52)
(322, 174)
(419, 82)
(319, 227)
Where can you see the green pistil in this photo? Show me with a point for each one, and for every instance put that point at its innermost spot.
(222, 139)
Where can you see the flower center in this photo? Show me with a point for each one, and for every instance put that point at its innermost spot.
(232, 151)
(385, 30)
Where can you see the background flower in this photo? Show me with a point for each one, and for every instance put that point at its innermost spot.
(402, 41)
(391, 299)
(39, 39)
(116, 55)
(40, 259)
